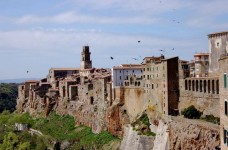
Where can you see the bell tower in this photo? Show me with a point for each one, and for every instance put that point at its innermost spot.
(86, 63)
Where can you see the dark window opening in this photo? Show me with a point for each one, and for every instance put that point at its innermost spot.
(186, 85)
(193, 85)
(91, 100)
(225, 108)
(197, 85)
(205, 86)
(189, 85)
(201, 86)
(209, 86)
(213, 87)
(217, 86)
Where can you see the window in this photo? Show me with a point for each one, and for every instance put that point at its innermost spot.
(225, 107)
(120, 77)
(91, 100)
(224, 79)
(157, 68)
(163, 67)
(225, 136)
(148, 69)
(148, 77)
(120, 71)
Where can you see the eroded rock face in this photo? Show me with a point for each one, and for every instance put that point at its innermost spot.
(116, 119)
(192, 134)
(133, 141)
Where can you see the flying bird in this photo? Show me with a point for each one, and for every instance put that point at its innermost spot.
(161, 50)
(135, 58)
(139, 41)
(111, 58)
(173, 49)
(27, 71)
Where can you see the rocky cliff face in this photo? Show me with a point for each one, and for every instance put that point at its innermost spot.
(133, 141)
(174, 134)
(192, 134)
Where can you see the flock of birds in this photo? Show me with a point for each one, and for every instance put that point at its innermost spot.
(161, 50)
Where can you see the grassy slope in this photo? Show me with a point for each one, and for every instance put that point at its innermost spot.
(56, 128)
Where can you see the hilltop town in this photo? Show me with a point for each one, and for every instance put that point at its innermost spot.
(161, 88)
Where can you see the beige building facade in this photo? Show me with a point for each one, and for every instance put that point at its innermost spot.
(223, 71)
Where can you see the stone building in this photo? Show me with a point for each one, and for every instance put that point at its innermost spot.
(201, 89)
(202, 92)
(201, 61)
(86, 63)
(122, 72)
(192, 68)
(161, 84)
(84, 93)
(223, 70)
(218, 47)
(184, 69)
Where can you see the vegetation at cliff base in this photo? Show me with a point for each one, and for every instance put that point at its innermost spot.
(142, 125)
(56, 129)
(191, 113)
(8, 95)
(212, 119)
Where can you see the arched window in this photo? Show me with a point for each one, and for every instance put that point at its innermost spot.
(208, 86)
(205, 86)
(201, 86)
(197, 85)
(189, 85)
(193, 85)
(217, 86)
(186, 85)
(213, 86)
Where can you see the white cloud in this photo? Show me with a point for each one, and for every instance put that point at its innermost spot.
(73, 17)
(57, 40)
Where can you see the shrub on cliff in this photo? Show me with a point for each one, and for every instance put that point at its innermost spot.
(142, 125)
(191, 113)
(212, 119)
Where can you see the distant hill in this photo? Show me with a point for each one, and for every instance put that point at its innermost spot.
(19, 80)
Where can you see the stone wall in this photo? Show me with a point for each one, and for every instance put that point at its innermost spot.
(202, 97)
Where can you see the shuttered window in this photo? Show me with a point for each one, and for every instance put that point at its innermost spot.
(225, 137)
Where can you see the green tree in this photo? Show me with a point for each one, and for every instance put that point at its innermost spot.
(8, 95)
(24, 146)
(10, 141)
(191, 112)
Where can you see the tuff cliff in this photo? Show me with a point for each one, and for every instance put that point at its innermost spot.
(192, 134)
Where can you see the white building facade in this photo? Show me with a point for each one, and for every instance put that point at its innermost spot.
(122, 72)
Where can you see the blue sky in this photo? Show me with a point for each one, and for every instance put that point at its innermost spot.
(36, 35)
